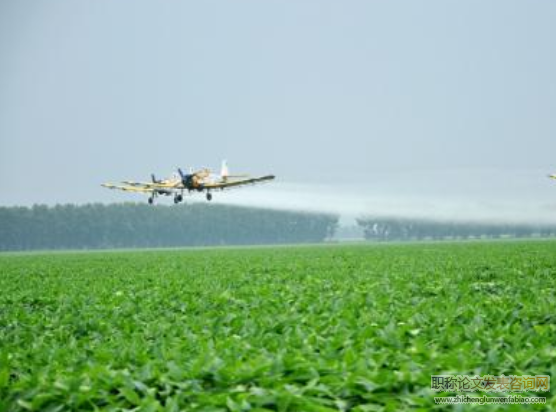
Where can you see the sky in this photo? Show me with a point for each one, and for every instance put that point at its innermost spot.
(442, 108)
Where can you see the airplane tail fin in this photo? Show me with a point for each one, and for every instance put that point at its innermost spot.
(224, 171)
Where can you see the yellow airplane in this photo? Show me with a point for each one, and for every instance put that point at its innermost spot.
(552, 176)
(202, 180)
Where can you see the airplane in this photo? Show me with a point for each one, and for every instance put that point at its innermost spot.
(202, 180)
(552, 176)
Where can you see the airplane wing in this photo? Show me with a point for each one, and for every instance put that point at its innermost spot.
(128, 188)
(152, 186)
(223, 184)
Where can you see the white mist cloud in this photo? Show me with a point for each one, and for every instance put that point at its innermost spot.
(458, 195)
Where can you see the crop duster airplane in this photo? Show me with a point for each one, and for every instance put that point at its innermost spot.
(201, 180)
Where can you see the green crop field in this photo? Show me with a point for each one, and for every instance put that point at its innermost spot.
(323, 328)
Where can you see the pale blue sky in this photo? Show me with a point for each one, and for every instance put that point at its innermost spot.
(357, 93)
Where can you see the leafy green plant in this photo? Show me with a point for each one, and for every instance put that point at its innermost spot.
(326, 328)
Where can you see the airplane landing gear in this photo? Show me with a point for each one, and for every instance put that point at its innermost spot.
(178, 199)
(151, 200)
(209, 196)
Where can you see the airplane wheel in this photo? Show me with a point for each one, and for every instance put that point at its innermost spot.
(176, 200)
(209, 196)
(179, 198)
(151, 200)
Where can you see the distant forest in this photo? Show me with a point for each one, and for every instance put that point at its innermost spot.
(384, 229)
(129, 225)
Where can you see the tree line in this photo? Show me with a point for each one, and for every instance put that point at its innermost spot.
(392, 228)
(129, 225)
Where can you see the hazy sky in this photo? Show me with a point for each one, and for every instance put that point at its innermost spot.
(356, 106)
